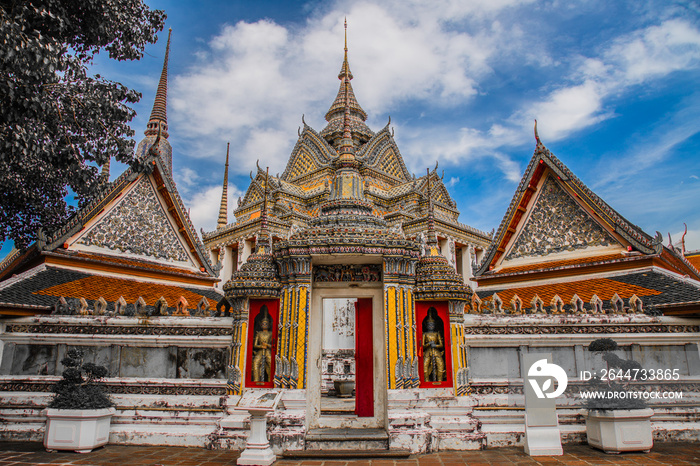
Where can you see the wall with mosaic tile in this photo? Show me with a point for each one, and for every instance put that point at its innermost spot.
(557, 224)
(137, 225)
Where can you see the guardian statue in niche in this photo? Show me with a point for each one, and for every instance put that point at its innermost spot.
(433, 349)
(262, 346)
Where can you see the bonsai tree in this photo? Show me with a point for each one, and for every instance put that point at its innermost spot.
(617, 379)
(80, 387)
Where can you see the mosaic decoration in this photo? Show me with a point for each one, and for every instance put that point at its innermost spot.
(557, 224)
(574, 387)
(578, 329)
(89, 329)
(347, 273)
(138, 225)
(258, 276)
(119, 388)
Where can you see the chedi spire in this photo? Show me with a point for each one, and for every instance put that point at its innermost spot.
(345, 112)
(223, 218)
(158, 122)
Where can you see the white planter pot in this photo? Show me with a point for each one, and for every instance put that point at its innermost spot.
(615, 431)
(80, 430)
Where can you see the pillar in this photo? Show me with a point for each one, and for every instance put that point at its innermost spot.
(236, 368)
(459, 348)
(293, 324)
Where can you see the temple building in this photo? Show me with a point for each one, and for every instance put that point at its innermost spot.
(347, 285)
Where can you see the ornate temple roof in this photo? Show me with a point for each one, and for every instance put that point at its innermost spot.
(137, 226)
(346, 100)
(299, 196)
(41, 289)
(655, 290)
(604, 218)
(258, 276)
(436, 279)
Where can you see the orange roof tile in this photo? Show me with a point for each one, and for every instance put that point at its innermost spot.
(559, 263)
(585, 289)
(111, 289)
(695, 260)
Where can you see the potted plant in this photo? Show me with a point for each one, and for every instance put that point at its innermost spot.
(79, 415)
(617, 419)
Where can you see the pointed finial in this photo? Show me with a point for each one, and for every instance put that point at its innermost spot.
(267, 182)
(159, 114)
(537, 136)
(346, 36)
(104, 174)
(223, 218)
(263, 242)
(432, 237)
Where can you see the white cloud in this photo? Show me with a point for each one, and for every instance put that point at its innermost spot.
(633, 59)
(254, 80)
(204, 205)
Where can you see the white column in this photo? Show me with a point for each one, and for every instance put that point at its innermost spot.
(467, 272)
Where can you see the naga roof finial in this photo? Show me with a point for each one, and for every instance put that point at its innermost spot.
(537, 136)
(683, 238)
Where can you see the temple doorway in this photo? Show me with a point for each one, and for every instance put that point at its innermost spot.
(346, 381)
(346, 364)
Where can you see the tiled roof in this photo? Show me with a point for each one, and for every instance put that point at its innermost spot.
(651, 287)
(694, 258)
(47, 286)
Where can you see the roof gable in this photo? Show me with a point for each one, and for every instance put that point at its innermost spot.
(542, 164)
(382, 154)
(86, 220)
(310, 153)
(556, 223)
(136, 224)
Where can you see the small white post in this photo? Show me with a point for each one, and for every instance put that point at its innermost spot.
(258, 403)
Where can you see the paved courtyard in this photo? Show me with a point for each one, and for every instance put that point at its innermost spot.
(26, 453)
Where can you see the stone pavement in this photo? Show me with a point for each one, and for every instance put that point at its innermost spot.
(26, 453)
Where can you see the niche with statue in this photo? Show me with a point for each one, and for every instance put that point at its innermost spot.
(262, 339)
(434, 349)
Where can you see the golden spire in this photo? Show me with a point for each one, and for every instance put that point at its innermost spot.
(347, 148)
(262, 244)
(223, 220)
(432, 237)
(104, 174)
(159, 114)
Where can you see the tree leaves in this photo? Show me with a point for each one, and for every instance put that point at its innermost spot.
(57, 123)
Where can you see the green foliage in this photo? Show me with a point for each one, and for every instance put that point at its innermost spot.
(80, 387)
(57, 123)
(602, 345)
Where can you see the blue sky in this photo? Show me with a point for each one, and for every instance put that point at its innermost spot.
(613, 86)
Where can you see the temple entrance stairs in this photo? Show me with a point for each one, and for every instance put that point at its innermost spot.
(347, 442)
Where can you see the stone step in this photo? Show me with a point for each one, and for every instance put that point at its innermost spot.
(347, 440)
(323, 454)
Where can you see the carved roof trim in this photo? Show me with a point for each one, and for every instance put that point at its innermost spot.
(541, 160)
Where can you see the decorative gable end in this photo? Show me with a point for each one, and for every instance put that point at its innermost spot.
(556, 224)
(137, 225)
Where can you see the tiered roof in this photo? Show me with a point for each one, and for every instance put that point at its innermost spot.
(560, 243)
(134, 238)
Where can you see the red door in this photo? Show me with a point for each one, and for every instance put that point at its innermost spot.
(364, 369)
